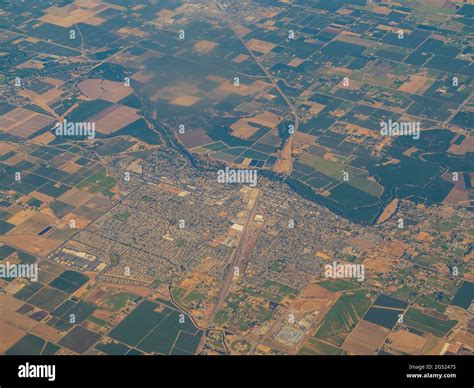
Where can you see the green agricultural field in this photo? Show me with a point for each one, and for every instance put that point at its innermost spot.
(178, 293)
(416, 319)
(98, 321)
(120, 300)
(32, 345)
(195, 296)
(48, 298)
(429, 302)
(307, 351)
(278, 265)
(28, 291)
(334, 169)
(343, 317)
(314, 346)
(276, 291)
(98, 182)
(157, 328)
(122, 216)
(339, 285)
(69, 281)
(221, 317)
(113, 348)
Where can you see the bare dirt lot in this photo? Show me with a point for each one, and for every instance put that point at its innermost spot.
(260, 45)
(407, 342)
(366, 338)
(23, 122)
(104, 89)
(115, 118)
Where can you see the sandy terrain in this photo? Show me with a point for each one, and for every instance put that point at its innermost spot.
(466, 146)
(240, 58)
(114, 118)
(76, 197)
(295, 62)
(73, 14)
(244, 129)
(35, 245)
(366, 338)
(205, 46)
(417, 84)
(185, 100)
(407, 342)
(104, 89)
(284, 163)
(388, 211)
(23, 122)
